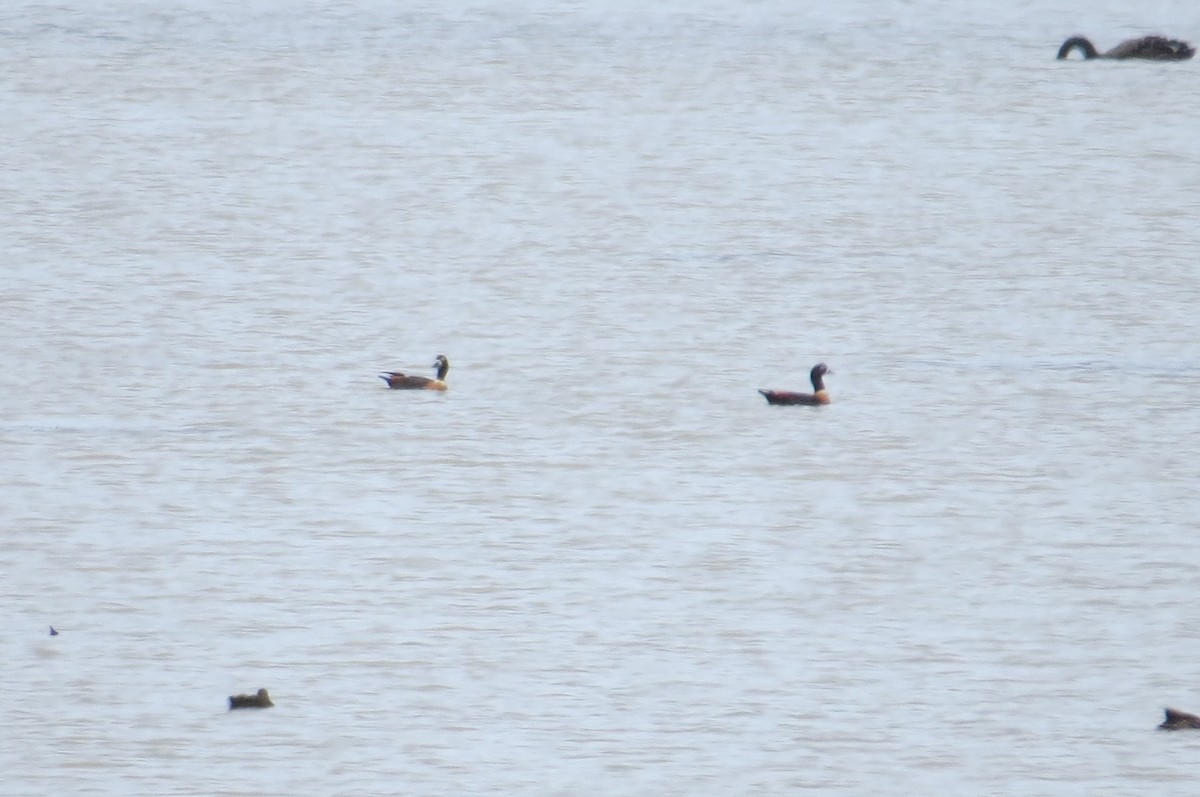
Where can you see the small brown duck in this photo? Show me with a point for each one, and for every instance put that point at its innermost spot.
(1148, 48)
(1179, 720)
(819, 395)
(398, 381)
(259, 699)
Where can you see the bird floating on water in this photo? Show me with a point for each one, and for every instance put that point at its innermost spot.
(1147, 48)
(819, 395)
(259, 699)
(400, 381)
(1179, 720)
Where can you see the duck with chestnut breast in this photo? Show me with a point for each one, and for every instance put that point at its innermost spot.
(819, 395)
(399, 381)
(1148, 48)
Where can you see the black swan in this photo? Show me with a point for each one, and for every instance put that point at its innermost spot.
(1151, 48)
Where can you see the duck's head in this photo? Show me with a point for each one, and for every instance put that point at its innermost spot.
(442, 365)
(817, 376)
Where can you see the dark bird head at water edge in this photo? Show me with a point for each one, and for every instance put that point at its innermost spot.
(1177, 720)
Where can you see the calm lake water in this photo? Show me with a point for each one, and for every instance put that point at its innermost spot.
(599, 563)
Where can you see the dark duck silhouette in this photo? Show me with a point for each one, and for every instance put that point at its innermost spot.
(1179, 720)
(259, 699)
(1149, 48)
(398, 381)
(819, 395)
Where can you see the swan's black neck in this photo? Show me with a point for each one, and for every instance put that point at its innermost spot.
(443, 367)
(818, 381)
(1089, 49)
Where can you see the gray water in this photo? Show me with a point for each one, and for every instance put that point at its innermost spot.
(600, 563)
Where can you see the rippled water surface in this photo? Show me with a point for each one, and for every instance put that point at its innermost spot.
(599, 563)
